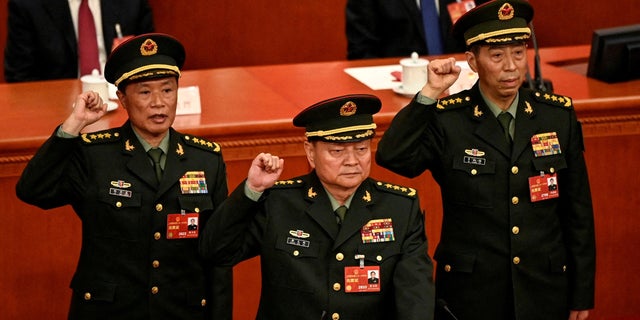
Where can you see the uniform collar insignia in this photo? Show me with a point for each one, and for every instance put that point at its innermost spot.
(179, 150)
(299, 234)
(128, 146)
(311, 194)
(367, 196)
(476, 112)
(528, 109)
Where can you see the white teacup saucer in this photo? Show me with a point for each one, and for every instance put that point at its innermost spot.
(401, 91)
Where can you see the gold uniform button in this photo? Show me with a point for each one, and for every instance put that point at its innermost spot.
(447, 268)
(118, 204)
(203, 302)
(336, 287)
(339, 256)
(379, 258)
(335, 316)
(515, 200)
(157, 235)
(87, 296)
(159, 207)
(514, 170)
(564, 268)
(296, 253)
(154, 290)
(516, 260)
(552, 170)
(155, 264)
(515, 230)
(474, 172)
(197, 210)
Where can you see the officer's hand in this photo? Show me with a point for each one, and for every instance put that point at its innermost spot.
(264, 172)
(87, 109)
(579, 315)
(441, 74)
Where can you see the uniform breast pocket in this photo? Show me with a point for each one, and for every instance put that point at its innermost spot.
(384, 254)
(297, 248)
(115, 216)
(296, 263)
(471, 182)
(450, 261)
(195, 203)
(549, 164)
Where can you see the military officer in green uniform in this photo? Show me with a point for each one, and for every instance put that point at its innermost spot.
(139, 260)
(510, 247)
(320, 235)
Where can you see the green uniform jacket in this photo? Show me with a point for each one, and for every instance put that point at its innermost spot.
(500, 253)
(128, 269)
(303, 252)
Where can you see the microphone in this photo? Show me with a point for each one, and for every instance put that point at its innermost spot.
(443, 305)
(537, 82)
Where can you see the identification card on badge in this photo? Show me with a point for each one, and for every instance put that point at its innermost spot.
(362, 279)
(543, 187)
(182, 226)
(458, 8)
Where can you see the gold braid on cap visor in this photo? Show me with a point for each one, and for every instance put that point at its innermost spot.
(322, 133)
(488, 35)
(127, 75)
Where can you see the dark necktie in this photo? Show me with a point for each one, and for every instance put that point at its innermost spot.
(431, 23)
(505, 119)
(340, 213)
(155, 154)
(87, 40)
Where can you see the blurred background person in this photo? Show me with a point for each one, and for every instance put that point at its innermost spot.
(43, 36)
(381, 28)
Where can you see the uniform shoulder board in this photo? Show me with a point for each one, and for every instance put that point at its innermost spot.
(394, 188)
(553, 99)
(100, 137)
(455, 101)
(201, 143)
(282, 184)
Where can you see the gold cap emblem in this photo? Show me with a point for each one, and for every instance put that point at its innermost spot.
(149, 48)
(506, 12)
(348, 109)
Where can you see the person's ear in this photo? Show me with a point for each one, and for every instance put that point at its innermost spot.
(471, 60)
(121, 98)
(309, 150)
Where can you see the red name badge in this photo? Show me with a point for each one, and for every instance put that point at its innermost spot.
(543, 187)
(362, 279)
(182, 226)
